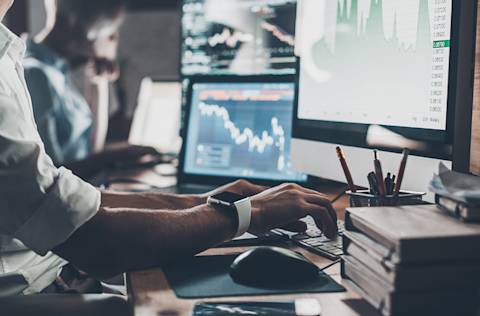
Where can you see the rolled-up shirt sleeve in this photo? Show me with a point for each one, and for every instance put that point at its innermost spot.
(40, 205)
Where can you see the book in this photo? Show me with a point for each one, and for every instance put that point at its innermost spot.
(426, 276)
(459, 209)
(456, 186)
(416, 234)
(383, 297)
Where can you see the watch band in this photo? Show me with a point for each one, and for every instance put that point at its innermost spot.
(244, 211)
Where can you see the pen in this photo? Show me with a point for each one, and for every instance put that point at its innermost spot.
(372, 180)
(379, 174)
(394, 178)
(401, 171)
(346, 170)
(388, 184)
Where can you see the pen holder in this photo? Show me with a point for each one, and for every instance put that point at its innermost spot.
(366, 199)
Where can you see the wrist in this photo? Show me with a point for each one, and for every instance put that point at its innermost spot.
(256, 223)
(194, 200)
(229, 223)
(237, 206)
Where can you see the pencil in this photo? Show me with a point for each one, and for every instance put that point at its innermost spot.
(346, 170)
(401, 171)
(379, 173)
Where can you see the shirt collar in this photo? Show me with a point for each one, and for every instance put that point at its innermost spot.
(44, 54)
(10, 44)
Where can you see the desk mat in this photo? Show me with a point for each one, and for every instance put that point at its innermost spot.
(208, 276)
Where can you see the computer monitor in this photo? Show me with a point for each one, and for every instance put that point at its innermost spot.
(238, 37)
(239, 127)
(157, 119)
(386, 75)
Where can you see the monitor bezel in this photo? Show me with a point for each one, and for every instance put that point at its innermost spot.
(354, 134)
(186, 177)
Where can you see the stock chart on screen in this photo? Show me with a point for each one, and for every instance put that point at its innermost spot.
(382, 62)
(241, 130)
(238, 37)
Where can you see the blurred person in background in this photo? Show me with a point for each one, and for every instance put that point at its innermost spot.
(77, 34)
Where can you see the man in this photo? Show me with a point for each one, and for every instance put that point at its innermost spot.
(79, 35)
(49, 217)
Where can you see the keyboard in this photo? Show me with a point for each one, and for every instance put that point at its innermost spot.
(314, 240)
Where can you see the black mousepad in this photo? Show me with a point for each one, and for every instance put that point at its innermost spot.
(208, 276)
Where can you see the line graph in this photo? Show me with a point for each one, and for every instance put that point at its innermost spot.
(238, 36)
(241, 130)
(229, 38)
(382, 46)
(233, 38)
(399, 20)
(279, 33)
(255, 142)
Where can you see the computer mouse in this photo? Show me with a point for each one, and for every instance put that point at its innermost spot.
(272, 267)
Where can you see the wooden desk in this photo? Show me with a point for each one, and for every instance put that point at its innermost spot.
(151, 294)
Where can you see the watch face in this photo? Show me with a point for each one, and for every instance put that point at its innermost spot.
(228, 197)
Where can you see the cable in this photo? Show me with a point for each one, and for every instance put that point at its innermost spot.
(338, 197)
(331, 265)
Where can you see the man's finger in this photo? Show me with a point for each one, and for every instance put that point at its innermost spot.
(250, 189)
(323, 220)
(310, 191)
(320, 201)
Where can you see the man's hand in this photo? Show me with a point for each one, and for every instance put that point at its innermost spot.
(113, 156)
(285, 205)
(105, 64)
(125, 153)
(102, 68)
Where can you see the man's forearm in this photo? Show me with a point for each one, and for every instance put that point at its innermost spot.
(124, 239)
(119, 240)
(153, 201)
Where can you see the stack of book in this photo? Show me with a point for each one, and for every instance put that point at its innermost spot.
(457, 194)
(412, 260)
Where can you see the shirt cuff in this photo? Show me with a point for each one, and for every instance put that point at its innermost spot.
(68, 205)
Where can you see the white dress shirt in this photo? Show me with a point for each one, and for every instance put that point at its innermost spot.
(40, 205)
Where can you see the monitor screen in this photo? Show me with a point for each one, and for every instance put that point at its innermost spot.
(151, 126)
(238, 37)
(241, 130)
(375, 68)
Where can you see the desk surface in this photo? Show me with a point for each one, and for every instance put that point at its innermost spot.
(152, 295)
